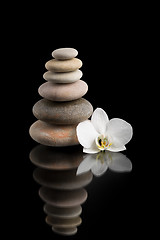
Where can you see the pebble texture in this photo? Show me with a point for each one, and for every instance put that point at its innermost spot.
(63, 92)
(62, 106)
(63, 113)
(66, 77)
(53, 135)
(63, 66)
(64, 53)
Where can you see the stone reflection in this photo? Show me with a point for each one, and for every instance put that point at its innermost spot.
(63, 173)
(61, 189)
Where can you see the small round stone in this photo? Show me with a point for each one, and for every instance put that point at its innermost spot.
(53, 135)
(63, 66)
(65, 231)
(63, 92)
(71, 112)
(66, 77)
(55, 158)
(64, 53)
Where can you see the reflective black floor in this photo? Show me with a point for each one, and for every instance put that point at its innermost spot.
(77, 194)
(119, 67)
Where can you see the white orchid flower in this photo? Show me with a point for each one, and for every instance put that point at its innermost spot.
(100, 133)
(100, 162)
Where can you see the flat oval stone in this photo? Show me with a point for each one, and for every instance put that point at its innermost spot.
(55, 158)
(62, 222)
(67, 77)
(65, 180)
(53, 135)
(71, 112)
(64, 53)
(63, 198)
(62, 212)
(63, 66)
(63, 92)
(65, 231)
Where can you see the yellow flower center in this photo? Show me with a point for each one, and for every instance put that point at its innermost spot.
(102, 143)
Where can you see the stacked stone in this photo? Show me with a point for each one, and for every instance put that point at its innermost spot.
(62, 106)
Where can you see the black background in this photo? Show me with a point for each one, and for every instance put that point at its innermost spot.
(113, 47)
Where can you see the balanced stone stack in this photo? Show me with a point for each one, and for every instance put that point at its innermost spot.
(62, 106)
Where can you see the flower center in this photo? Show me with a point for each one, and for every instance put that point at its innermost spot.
(102, 143)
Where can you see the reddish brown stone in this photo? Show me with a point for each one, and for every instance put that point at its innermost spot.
(53, 135)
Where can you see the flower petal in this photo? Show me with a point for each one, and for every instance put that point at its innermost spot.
(120, 132)
(92, 149)
(86, 164)
(99, 120)
(86, 133)
(99, 168)
(120, 163)
(116, 149)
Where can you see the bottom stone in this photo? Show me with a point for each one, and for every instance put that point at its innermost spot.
(53, 135)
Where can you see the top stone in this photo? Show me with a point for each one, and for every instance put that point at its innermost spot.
(64, 53)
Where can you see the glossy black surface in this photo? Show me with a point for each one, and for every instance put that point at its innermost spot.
(113, 67)
(63, 189)
(114, 200)
(118, 48)
(110, 202)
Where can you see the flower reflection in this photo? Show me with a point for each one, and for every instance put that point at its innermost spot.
(100, 162)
